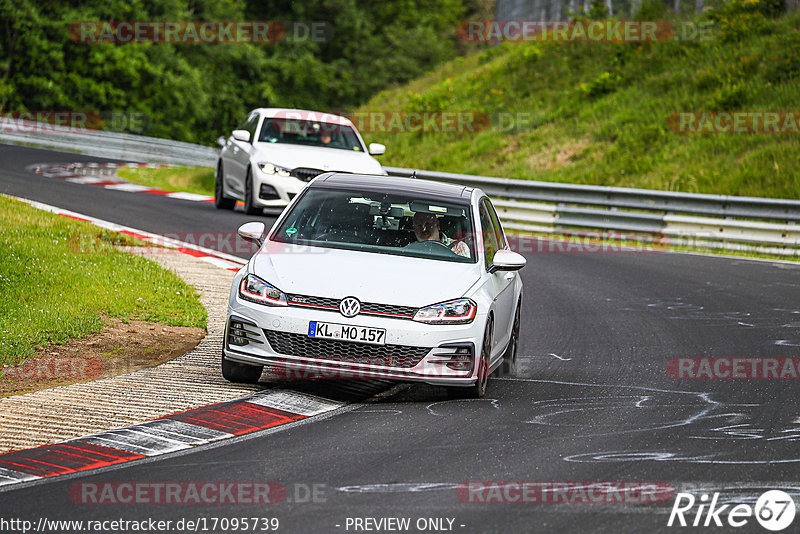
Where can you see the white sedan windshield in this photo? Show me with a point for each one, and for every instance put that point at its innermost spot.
(309, 133)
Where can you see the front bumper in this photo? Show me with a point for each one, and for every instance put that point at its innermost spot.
(272, 190)
(446, 344)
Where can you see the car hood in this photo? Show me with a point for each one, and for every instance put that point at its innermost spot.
(370, 277)
(326, 159)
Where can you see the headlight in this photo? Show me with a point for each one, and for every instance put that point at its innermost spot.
(269, 168)
(257, 290)
(457, 311)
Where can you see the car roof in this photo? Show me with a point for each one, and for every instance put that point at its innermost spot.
(394, 184)
(304, 114)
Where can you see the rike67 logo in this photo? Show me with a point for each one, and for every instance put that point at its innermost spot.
(774, 510)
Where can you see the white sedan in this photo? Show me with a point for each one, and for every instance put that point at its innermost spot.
(377, 277)
(275, 152)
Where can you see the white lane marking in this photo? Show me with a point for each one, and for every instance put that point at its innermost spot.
(132, 188)
(559, 357)
(185, 431)
(84, 180)
(298, 403)
(189, 196)
(12, 477)
(743, 324)
(124, 443)
(225, 264)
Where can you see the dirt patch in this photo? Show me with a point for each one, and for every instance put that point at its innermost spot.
(120, 348)
(552, 160)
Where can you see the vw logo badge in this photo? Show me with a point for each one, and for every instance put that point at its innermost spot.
(349, 307)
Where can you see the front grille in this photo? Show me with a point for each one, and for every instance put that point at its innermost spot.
(344, 351)
(388, 309)
(305, 174)
(367, 308)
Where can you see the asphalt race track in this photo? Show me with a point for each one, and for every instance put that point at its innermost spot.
(591, 401)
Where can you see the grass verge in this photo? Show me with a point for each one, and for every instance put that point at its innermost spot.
(199, 180)
(599, 112)
(59, 276)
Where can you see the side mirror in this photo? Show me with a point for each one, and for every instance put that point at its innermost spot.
(507, 260)
(241, 135)
(252, 231)
(376, 149)
(222, 141)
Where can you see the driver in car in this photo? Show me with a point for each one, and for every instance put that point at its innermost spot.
(426, 228)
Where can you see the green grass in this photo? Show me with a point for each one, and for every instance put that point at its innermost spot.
(198, 180)
(59, 276)
(598, 111)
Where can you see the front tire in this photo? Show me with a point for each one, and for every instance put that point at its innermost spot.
(509, 365)
(240, 373)
(220, 200)
(478, 389)
(249, 208)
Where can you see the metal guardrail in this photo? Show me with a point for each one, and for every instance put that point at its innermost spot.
(620, 197)
(764, 224)
(104, 144)
(717, 221)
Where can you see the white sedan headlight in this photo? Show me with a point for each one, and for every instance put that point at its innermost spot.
(257, 290)
(457, 311)
(269, 168)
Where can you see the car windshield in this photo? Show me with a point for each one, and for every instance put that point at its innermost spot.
(309, 133)
(381, 223)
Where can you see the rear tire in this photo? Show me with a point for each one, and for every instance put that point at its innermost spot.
(240, 373)
(249, 208)
(220, 200)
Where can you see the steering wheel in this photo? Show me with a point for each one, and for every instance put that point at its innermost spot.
(429, 246)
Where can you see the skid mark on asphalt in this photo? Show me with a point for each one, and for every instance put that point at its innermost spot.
(441, 407)
(664, 403)
(726, 425)
(400, 487)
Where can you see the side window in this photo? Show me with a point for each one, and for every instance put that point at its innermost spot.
(498, 228)
(243, 124)
(489, 237)
(251, 126)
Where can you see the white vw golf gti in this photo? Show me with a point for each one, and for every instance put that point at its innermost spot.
(378, 277)
(275, 152)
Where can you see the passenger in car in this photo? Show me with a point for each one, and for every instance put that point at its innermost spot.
(426, 228)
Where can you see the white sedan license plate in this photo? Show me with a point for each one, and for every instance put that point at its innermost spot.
(360, 334)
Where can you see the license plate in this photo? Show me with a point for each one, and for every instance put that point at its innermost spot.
(344, 332)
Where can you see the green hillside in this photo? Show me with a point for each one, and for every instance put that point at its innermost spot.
(597, 112)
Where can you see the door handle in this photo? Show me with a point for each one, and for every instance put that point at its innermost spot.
(509, 276)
